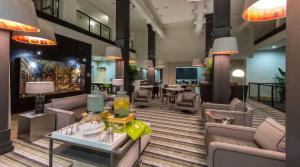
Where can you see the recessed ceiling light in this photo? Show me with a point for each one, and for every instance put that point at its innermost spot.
(273, 47)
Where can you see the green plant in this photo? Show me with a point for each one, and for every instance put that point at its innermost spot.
(133, 71)
(280, 78)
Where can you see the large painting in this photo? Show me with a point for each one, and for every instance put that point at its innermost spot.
(67, 77)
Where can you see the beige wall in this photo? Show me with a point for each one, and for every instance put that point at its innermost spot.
(169, 72)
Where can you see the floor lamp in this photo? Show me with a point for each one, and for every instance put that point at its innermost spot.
(238, 73)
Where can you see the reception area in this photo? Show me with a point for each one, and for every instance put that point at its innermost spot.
(161, 83)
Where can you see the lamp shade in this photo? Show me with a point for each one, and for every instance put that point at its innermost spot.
(197, 62)
(46, 35)
(238, 73)
(117, 82)
(264, 10)
(18, 15)
(132, 59)
(39, 87)
(225, 46)
(160, 64)
(148, 63)
(113, 53)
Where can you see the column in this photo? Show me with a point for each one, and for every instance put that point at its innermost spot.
(292, 84)
(122, 40)
(151, 53)
(221, 76)
(5, 142)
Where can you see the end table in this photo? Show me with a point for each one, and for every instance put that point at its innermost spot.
(32, 126)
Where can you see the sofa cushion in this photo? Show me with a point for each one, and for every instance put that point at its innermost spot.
(143, 93)
(78, 112)
(270, 135)
(69, 103)
(141, 99)
(236, 105)
(228, 140)
(188, 96)
(186, 103)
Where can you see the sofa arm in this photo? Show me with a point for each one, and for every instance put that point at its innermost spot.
(232, 131)
(63, 117)
(215, 106)
(178, 97)
(224, 154)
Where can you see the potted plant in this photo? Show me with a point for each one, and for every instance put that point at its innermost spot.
(133, 71)
(280, 79)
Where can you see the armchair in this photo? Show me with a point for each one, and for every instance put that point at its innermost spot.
(188, 101)
(141, 97)
(234, 110)
(235, 146)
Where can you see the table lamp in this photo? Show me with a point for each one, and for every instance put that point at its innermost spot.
(39, 89)
(238, 73)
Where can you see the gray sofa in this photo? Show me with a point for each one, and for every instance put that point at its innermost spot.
(234, 110)
(68, 110)
(188, 101)
(236, 146)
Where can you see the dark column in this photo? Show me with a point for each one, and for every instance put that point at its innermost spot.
(122, 40)
(5, 142)
(209, 32)
(221, 78)
(151, 53)
(292, 84)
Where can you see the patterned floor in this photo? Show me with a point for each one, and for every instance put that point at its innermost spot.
(177, 140)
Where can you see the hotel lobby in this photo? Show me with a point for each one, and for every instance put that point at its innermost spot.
(158, 83)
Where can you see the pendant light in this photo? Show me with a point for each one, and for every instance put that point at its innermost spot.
(264, 10)
(197, 62)
(18, 15)
(225, 46)
(113, 53)
(46, 35)
(159, 64)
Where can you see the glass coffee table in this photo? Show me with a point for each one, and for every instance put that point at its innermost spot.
(218, 118)
(99, 148)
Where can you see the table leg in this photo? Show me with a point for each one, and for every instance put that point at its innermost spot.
(50, 152)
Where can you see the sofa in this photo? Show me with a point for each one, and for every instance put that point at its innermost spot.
(141, 97)
(236, 146)
(68, 110)
(232, 110)
(187, 101)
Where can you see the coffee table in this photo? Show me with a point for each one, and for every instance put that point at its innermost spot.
(90, 149)
(218, 118)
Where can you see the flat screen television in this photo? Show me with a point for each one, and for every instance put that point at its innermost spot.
(186, 73)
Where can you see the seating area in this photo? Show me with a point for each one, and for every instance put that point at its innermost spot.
(160, 83)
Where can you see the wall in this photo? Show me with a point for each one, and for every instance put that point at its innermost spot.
(181, 43)
(98, 46)
(263, 67)
(169, 72)
(110, 71)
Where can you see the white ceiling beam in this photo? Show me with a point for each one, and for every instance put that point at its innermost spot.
(143, 9)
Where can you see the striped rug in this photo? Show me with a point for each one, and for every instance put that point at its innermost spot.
(177, 140)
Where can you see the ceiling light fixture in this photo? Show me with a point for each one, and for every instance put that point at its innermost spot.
(46, 35)
(264, 10)
(113, 53)
(225, 46)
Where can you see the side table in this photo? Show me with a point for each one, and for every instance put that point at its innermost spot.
(32, 126)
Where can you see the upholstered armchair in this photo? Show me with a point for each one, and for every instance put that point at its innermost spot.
(188, 101)
(233, 110)
(141, 97)
(236, 146)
